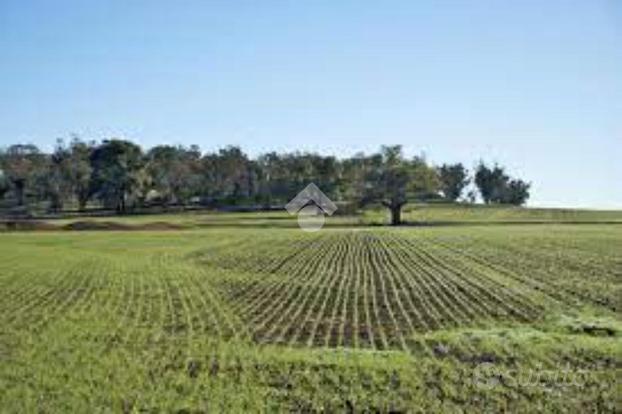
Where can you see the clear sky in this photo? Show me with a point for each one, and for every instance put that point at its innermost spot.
(534, 85)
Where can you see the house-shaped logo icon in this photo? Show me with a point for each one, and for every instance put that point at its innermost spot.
(311, 204)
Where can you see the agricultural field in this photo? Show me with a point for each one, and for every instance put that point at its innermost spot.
(351, 318)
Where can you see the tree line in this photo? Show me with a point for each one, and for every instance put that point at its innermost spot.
(119, 175)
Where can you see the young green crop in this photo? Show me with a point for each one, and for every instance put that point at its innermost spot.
(254, 318)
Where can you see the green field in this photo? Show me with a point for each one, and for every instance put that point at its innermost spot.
(239, 312)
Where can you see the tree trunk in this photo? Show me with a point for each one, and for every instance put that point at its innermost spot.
(396, 215)
(56, 203)
(121, 205)
(83, 195)
(19, 192)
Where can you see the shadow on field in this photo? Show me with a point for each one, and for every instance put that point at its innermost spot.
(251, 222)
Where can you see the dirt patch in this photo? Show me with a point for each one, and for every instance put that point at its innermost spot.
(95, 225)
(26, 225)
(83, 225)
(113, 225)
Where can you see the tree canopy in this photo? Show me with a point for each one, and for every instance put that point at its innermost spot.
(394, 180)
(454, 179)
(119, 175)
(495, 186)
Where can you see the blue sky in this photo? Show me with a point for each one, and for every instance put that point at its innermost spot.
(534, 85)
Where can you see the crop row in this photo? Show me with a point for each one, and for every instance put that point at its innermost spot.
(362, 289)
(359, 288)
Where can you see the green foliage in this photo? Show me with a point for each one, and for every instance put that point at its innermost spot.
(77, 169)
(175, 173)
(490, 182)
(5, 185)
(516, 192)
(495, 186)
(393, 180)
(453, 179)
(69, 174)
(115, 174)
(23, 166)
(116, 171)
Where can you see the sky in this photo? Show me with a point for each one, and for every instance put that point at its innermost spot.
(533, 85)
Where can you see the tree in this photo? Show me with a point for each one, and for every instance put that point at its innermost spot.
(68, 174)
(228, 175)
(516, 192)
(56, 184)
(495, 186)
(490, 182)
(393, 180)
(352, 184)
(77, 169)
(174, 172)
(116, 171)
(21, 164)
(326, 172)
(270, 172)
(115, 174)
(4, 184)
(453, 179)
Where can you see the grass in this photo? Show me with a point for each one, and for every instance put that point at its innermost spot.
(481, 214)
(413, 214)
(262, 318)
